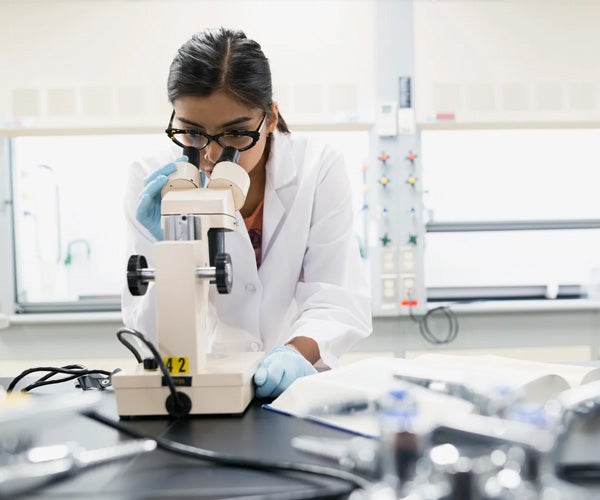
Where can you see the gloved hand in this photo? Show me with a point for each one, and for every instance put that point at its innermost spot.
(148, 209)
(279, 369)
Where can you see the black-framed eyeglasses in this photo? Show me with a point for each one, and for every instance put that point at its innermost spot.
(238, 139)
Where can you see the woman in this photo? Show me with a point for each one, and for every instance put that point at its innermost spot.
(299, 290)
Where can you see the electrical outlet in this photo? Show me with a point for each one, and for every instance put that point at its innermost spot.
(408, 291)
(409, 287)
(388, 291)
(408, 259)
(388, 262)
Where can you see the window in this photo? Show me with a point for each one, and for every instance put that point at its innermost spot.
(511, 212)
(69, 225)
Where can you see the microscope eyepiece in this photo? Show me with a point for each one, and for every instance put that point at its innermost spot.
(193, 155)
(229, 154)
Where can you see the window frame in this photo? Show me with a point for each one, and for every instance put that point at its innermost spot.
(490, 293)
(9, 301)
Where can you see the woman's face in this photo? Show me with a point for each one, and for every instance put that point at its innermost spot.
(219, 113)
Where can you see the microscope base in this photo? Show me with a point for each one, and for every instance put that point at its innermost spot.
(224, 387)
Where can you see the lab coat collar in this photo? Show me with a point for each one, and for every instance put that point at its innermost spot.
(281, 174)
(280, 166)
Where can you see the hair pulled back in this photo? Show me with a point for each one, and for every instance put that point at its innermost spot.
(223, 59)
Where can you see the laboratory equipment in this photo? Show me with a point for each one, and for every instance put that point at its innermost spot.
(488, 402)
(192, 256)
(25, 466)
(395, 237)
(41, 465)
(401, 443)
(359, 454)
(505, 452)
(387, 119)
(21, 416)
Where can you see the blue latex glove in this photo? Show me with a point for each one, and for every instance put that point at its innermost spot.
(279, 369)
(148, 209)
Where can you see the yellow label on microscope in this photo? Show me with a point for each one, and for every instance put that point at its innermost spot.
(177, 364)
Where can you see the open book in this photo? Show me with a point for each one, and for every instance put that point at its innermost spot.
(343, 397)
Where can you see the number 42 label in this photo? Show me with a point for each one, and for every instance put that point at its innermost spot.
(177, 365)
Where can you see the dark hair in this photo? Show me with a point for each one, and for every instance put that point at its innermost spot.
(223, 59)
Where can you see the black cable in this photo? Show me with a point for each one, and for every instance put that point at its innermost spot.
(232, 461)
(41, 383)
(425, 329)
(66, 367)
(155, 354)
(305, 495)
(42, 380)
(76, 372)
(129, 346)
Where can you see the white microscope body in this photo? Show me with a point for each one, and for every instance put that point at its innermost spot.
(189, 259)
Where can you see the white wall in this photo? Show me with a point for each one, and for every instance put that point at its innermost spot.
(508, 61)
(105, 62)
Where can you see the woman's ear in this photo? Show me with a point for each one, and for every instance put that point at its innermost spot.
(273, 118)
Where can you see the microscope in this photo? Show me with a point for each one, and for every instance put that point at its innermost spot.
(190, 258)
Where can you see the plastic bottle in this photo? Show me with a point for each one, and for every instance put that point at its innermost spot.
(400, 439)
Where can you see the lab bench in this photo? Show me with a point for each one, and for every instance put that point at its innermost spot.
(256, 434)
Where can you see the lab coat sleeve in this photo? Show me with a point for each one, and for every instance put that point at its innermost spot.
(332, 295)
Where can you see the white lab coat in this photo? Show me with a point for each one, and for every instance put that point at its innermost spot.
(311, 281)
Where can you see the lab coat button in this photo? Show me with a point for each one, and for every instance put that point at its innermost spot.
(250, 288)
(254, 347)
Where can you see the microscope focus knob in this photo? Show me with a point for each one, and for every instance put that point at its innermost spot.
(223, 273)
(136, 284)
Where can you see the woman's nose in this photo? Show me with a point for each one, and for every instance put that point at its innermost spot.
(212, 152)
